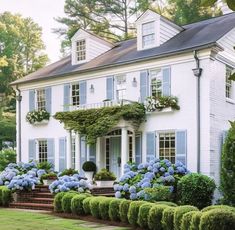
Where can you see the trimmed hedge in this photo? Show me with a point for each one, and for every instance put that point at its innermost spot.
(179, 212)
(196, 189)
(195, 222)
(77, 203)
(114, 209)
(168, 218)
(186, 220)
(57, 202)
(86, 205)
(123, 210)
(104, 208)
(166, 203)
(66, 201)
(155, 217)
(133, 212)
(224, 207)
(217, 219)
(6, 196)
(143, 215)
(94, 206)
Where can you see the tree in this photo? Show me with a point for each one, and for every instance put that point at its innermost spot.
(230, 3)
(7, 156)
(228, 167)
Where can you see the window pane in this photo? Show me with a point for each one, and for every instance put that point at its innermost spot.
(228, 84)
(41, 99)
(156, 82)
(121, 87)
(81, 50)
(75, 94)
(148, 34)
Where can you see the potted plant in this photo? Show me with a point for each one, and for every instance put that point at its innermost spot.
(68, 172)
(89, 167)
(104, 178)
(38, 117)
(49, 178)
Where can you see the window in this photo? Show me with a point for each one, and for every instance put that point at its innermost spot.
(107, 148)
(42, 150)
(130, 149)
(148, 34)
(75, 94)
(73, 153)
(156, 83)
(121, 87)
(228, 85)
(81, 50)
(41, 99)
(167, 146)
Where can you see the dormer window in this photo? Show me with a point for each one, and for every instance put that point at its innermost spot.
(148, 34)
(81, 50)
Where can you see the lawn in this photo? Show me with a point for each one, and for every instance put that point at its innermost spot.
(27, 220)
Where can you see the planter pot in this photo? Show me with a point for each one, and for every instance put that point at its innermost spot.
(43, 122)
(104, 183)
(48, 181)
(89, 176)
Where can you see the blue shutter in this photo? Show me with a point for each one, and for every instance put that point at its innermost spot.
(62, 154)
(166, 82)
(224, 136)
(144, 85)
(32, 150)
(82, 92)
(110, 88)
(138, 148)
(150, 145)
(51, 151)
(66, 97)
(31, 100)
(92, 153)
(48, 99)
(181, 147)
(83, 151)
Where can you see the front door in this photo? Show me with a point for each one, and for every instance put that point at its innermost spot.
(115, 156)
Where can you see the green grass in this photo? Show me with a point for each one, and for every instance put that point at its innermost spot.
(25, 220)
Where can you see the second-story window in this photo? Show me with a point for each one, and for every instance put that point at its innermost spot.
(156, 82)
(81, 50)
(228, 83)
(121, 87)
(75, 94)
(148, 34)
(41, 99)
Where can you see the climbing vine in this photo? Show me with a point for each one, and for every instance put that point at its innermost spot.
(94, 123)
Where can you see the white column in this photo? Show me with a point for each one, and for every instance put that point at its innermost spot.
(77, 151)
(98, 153)
(69, 149)
(124, 149)
(133, 146)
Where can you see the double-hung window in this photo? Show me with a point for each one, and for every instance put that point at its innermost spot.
(73, 152)
(148, 35)
(41, 99)
(75, 94)
(228, 83)
(121, 87)
(42, 150)
(156, 82)
(81, 50)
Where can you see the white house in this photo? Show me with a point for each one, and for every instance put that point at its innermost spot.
(191, 62)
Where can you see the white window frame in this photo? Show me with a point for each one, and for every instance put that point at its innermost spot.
(71, 94)
(81, 50)
(150, 33)
(158, 77)
(37, 92)
(228, 84)
(120, 87)
(38, 150)
(73, 152)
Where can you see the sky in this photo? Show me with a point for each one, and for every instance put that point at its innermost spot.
(42, 12)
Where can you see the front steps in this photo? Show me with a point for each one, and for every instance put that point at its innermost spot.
(102, 191)
(38, 199)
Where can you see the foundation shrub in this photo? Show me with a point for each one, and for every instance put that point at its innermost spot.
(186, 220)
(123, 210)
(143, 215)
(114, 209)
(94, 206)
(77, 203)
(67, 201)
(104, 208)
(195, 222)
(133, 212)
(168, 218)
(86, 205)
(58, 202)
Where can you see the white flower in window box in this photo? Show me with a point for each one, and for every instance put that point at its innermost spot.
(38, 117)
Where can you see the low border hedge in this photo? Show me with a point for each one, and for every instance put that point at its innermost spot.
(67, 202)
(94, 206)
(195, 222)
(123, 210)
(6, 196)
(212, 207)
(186, 220)
(77, 203)
(133, 212)
(143, 215)
(114, 209)
(104, 208)
(86, 205)
(168, 218)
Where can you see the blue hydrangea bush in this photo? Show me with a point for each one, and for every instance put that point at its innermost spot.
(152, 174)
(68, 183)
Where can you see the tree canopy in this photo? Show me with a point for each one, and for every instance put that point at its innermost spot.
(230, 3)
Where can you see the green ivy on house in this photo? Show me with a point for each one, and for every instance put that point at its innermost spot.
(94, 123)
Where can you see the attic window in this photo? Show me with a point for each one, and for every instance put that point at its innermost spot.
(81, 50)
(148, 34)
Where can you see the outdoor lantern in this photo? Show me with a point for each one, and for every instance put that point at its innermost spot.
(92, 89)
(134, 82)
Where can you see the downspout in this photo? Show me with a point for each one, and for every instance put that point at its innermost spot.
(197, 73)
(19, 99)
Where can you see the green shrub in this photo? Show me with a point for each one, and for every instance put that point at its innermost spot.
(186, 220)
(104, 208)
(196, 189)
(133, 212)
(94, 206)
(89, 166)
(66, 201)
(114, 209)
(77, 203)
(179, 212)
(168, 218)
(160, 193)
(0, 195)
(167, 203)
(218, 207)
(58, 202)
(217, 219)
(6, 196)
(123, 210)
(68, 172)
(155, 217)
(143, 215)
(47, 166)
(228, 168)
(195, 222)
(86, 205)
(105, 175)
(7, 156)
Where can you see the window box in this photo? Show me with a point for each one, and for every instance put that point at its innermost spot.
(38, 117)
(165, 110)
(39, 123)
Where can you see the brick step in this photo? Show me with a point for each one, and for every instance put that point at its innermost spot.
(105, 194)
(33, 206)
(41, 200)
(26, 195)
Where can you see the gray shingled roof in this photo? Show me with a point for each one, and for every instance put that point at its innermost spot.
(194, 36)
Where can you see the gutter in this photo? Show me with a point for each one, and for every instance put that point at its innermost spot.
(198, 73)
(19, 99)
